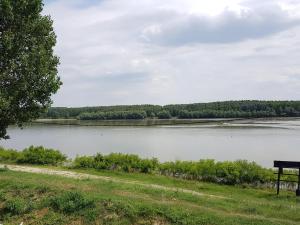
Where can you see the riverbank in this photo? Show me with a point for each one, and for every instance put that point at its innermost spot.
(137, 123)
(239, 172)
(236, 172)
(212, 122)
(123, 198)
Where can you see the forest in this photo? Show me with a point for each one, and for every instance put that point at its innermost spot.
(226, 109)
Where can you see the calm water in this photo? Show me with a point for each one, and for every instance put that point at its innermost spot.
(257, 140)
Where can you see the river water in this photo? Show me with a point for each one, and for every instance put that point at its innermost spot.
(261, 141)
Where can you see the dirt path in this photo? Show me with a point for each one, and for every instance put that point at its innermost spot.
(77, 175)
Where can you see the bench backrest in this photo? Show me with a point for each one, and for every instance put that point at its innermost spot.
(287, 164)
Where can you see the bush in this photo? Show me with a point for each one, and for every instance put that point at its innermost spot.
(8, 155)
(84, 162)
(17, 206)
(206, 170)
(41, 156)
(117, 161)
(71, 202)
(148, 165)
(241, 172)
(237, 172)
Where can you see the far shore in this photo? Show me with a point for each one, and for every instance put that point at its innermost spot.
(220, 122)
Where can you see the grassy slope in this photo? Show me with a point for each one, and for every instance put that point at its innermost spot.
(124, 203)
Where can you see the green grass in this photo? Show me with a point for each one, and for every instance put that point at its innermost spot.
(48, 199)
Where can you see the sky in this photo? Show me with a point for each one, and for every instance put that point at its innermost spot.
(116, 52)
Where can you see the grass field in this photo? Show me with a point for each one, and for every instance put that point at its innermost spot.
(134, 199)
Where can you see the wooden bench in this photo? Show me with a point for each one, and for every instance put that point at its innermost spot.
(287, 165)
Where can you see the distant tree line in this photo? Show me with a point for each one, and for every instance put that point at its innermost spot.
(227, 109)
(119, 115)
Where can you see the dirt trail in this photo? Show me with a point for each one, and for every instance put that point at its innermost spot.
(77, 175)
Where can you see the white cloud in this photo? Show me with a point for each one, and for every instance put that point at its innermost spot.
(175, 51)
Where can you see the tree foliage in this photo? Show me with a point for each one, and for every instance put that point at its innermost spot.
(164, 114)
(228, 109)
(28, 66)
(119, 115)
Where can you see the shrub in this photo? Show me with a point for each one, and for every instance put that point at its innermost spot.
(148, 165)
(100, 162)
(71, 202)
(206, 170)
(17, 206)
(227, 173)
(237, 172)
(42, 156)
(117, 161)
(241, 171)
(8, 155)
(123, 162)
(84, 162)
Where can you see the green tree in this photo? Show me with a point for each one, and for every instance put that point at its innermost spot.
(28, 66)
(164, 114)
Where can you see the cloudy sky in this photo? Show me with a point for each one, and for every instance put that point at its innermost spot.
(176, 51)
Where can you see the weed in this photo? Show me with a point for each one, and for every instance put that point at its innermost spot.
(17, 206)
(71, 202)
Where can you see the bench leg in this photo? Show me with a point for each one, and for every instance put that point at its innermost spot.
(298, 189)
(278, 180)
